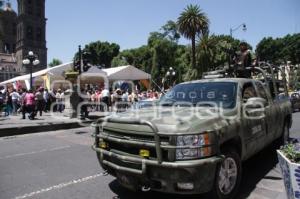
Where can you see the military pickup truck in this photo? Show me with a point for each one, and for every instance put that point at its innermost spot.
(196, 138)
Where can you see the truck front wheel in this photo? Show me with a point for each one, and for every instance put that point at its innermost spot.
(228, 176)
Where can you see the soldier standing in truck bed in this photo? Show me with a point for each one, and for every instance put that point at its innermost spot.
(244, 59)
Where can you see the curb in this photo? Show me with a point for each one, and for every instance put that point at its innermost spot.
(12, 131)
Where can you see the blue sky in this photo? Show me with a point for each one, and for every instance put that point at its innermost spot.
(129, 22)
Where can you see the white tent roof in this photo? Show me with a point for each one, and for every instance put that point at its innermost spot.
(56, 70)
(117, 73)
(93, 71)
(60, 69)
(126, 73)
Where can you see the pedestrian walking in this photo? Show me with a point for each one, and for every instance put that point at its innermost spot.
(15, 97)
(46, 97)
(105, 99)
(98, 100)
(22, 103)
(2, 100)
(8, 102)
(40, 102)
(59, 100)
(29, 105)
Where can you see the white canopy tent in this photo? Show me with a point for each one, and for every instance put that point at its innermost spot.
(54, 71)
(126, 73)
(94, 70)
(47, 76)
(41, 77)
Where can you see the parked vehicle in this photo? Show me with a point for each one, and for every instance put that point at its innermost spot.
(196, 139)
(295, 100)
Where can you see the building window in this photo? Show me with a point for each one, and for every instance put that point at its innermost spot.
(39, 34)
(6, 48)
(29, 32)
(14, 29)
(39, 8)
(29, 11)
(38, 12)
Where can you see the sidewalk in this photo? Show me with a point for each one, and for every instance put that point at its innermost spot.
(14, 125)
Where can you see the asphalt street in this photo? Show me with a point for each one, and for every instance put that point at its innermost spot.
(61, 164)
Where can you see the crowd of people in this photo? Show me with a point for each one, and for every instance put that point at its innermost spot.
(22, 101)
(115, 100)
(35, 102)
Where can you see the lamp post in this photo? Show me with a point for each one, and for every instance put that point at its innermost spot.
(170, 75)
(236, 28)
(31, 60)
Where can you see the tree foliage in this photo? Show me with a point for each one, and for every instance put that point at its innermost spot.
(55, 62)
(170, 31)
(212, 51)
(192, 22)
(161, 52)
(101, 53)
(280, 50)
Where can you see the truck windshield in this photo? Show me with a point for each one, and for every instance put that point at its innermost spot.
(211, 94)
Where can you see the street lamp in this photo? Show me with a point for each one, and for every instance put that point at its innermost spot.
(236, 28)
(31, 60)
(170, 74)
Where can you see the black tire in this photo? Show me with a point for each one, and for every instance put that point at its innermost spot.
(219, 191)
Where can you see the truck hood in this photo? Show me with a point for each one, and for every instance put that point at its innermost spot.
(174, 119)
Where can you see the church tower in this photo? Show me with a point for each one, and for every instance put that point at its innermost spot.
(8, 33)
(31, 32)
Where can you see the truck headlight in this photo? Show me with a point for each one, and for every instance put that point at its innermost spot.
(193, 147)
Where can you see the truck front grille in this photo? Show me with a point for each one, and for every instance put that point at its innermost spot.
(147, 137)
(132, 149)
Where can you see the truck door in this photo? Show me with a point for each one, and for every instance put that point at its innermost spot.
(271, 109)
(254, 128)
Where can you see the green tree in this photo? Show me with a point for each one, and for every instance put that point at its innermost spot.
(218, 50)
(55, 62)
(164, 52)
(193, 22)
(139, 57)
(267, 49)
(101, 53)
(170, 31)
(280, 50)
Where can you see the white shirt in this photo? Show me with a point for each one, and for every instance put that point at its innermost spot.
(105, 93)
(15, 96)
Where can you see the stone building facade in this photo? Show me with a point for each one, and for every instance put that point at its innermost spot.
(22, 32)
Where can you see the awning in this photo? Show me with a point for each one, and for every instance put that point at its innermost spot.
(126, 73)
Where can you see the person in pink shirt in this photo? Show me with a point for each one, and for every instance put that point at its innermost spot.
(29, 105)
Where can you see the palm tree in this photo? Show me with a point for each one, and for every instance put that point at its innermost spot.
(193, 22)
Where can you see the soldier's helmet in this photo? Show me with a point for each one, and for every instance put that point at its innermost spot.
(244, 44)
